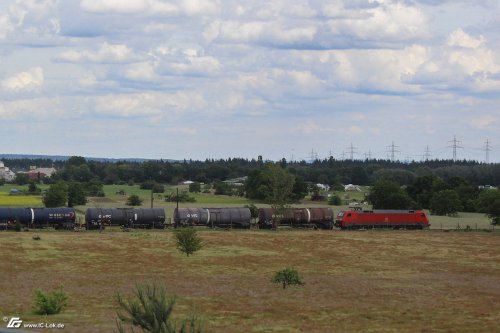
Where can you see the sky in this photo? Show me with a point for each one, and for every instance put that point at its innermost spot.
(293, 79)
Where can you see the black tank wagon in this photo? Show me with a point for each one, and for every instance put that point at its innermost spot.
(147, 218)
(318, 218)
(58, 218)
(213, 217)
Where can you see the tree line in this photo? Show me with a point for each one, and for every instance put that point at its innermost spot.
(442, 186)
(326, 171)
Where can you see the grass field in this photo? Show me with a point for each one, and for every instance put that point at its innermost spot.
(371, 281)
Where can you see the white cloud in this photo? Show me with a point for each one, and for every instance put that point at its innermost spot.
(25, 81)
(151, 7)
(462, 39)
(463, 62)
(358, 68)
(103, 6)
(107, 53)
(483, 122)
(387, 21)
(6, 26)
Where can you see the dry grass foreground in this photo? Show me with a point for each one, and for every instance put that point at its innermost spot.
(380, 281)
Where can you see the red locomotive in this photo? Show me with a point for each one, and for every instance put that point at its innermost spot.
(395, 219)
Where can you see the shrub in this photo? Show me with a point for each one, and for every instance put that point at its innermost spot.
(195, 187)
(288, 276)
(187, 241)
(151, 310)
(183, 197)
(335, 200)
(17, 226)
(134, 200)
(52, 303)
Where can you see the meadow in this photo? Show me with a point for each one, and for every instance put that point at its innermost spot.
(364, 281)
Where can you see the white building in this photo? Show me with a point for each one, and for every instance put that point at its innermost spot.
(6, 173)
(351, 187)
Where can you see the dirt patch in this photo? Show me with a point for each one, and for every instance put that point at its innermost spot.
(355, 281)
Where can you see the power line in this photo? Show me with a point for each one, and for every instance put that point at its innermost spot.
(487, 149)
(427, 153)
(455, 146)
(368, 155)
(351, 150)
(313, 155)
(393, 149)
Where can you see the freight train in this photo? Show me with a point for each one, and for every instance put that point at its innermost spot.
(213, 217)
(395, 219)
(155, 218)
(58, 218)
(317, 218)
(147, 218)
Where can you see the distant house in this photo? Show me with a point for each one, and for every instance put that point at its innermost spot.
(487, 187)
(39, 173)
(352, 188)
(323, 187)
(240, 181)
(6, 173)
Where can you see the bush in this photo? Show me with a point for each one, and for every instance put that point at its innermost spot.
(53, 303)
(187, 241)
(335, 200)
(195, 187)
(183, 197)
(288, 276)
(151, 309)
(17, 226)
(134, 200)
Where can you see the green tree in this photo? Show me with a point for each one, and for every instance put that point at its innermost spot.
(194, 187)
(422, 189)
(76, 194)
(445, 202)
(21, 179)
(335, 200)
(187, 241)
(56, 195)
(51, 303)
(33, 189)
(489, 204)
(134, 200)
(151, 310)
(286, 277)
(387, 194)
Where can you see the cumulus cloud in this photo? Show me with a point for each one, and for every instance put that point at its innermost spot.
(483, 122)
(6, 26)
(284, 62)
(462, 39)
(463, 62)
(107, 53)
(150, 7)
(25, 81)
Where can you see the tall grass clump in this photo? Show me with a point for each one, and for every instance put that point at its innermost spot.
(150, 309)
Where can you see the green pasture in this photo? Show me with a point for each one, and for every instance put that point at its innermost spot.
(18, 200)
